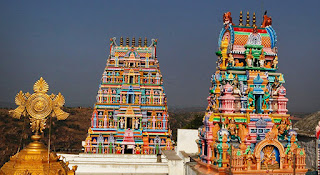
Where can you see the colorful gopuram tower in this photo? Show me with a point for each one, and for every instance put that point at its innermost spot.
(130, 115)
(246, 126)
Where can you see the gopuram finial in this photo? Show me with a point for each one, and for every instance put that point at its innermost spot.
(38, 106)
(139, 42)
(254, 20)
(133, 42)
(240, 19)
(127, 42)
(145, 42)
(36, 158)
(121, 41)
(248, 20)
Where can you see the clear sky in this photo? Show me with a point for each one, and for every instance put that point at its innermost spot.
(67, 43)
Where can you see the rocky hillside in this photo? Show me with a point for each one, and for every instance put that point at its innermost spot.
(66, 136)
(308, 123)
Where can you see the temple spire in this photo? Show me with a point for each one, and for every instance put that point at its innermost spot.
(127, 41)
(139, 42)
(133, 42)
(121, 41)
(240, 19)
(254, 20)
(248, 20)
(145, 42)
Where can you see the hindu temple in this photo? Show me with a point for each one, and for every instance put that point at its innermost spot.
(130, 114)
(246, 128)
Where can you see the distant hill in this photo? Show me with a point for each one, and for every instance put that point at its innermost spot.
(308, 123)
(67, 135)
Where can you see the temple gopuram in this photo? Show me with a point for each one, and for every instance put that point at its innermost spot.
(246, 126)
(130, 114)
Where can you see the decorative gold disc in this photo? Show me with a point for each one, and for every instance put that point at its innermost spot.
(39, 105)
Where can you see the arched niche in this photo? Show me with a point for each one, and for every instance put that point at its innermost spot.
(264, 143)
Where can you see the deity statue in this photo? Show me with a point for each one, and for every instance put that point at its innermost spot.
(121, 121)
(265, 100)
(227, 19)
(267, 21)
(232, 127)
(136, 123)
(267, 155)
(238, 64)
(231, 60)
(124, 99)
(138, 150)
(243, 133)
(249, 159)
(268, 65)
(118, 149)
(262, 59)
(136, 100)
(283, 127)
(275, 62)
(273, 159)
(236, 85)
(251, 99)
(249, 59)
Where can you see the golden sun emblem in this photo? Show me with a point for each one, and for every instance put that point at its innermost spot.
(39, 105)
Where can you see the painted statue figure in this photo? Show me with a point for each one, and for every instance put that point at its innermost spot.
(232, 127)
(227, 19)
(265, 100)
(261, 59)
(249, 159)
(236, 85)
(249, 59)
(118, 149)
(136, 123)
(282, 127)
(231, 60)
(238, 64)
(121, 121)
(251, 99)
(275, 62)
(267, 21)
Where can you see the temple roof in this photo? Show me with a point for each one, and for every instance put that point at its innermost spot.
(241, 35)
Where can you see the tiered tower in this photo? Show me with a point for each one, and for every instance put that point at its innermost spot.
(130, 115)
(246, 126)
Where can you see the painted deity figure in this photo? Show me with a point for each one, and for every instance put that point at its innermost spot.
(251, 99)
(236, 85)
(273, 159)
(282, 127)
(124, 99)
(249, 159)
(232, 127)
(118, 149)
(275, 62)
(238, 64)
(262, 59)
(265, 100)
(136, 123)
(138, 150)
(267, 155)
(231, 60)
(249, 59)
(121, 121)
(136, 101)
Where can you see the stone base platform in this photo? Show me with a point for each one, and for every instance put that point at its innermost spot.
(117, 164)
